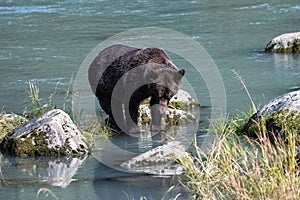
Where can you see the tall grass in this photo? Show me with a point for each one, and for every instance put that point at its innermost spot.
(241, 168)
(238, 167)
(37, 107)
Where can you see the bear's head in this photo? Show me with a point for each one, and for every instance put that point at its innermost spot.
(164, 76)
(165, 86)
(154, 67)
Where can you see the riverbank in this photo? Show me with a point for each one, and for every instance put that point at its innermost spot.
(242, 167)
(236, 166)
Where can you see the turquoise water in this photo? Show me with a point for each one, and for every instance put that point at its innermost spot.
(45, 41)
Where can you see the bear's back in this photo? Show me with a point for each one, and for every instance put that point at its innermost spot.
(112, 63)
(104, 59)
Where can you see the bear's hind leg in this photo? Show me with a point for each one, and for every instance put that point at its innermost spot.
(116, 118)
(131, 115)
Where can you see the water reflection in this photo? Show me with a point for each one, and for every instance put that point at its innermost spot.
(286, 61)
(87, 177)
(53, 171)
(112, 184)
(287, 64)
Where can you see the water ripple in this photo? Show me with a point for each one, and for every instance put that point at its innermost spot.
(29, 9)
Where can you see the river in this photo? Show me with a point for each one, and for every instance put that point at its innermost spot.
(45, 41)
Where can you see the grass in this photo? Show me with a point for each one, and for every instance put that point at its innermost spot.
(236, 167)
(94, 131)
(38, 106)
(241, 168)
(8, 124)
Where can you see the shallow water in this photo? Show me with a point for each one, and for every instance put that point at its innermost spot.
(46, 41)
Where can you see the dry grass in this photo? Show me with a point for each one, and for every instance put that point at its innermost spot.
(241, 168)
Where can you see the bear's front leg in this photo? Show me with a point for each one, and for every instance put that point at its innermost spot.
(158, 108)
(156, 118)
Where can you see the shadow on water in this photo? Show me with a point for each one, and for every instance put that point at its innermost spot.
(113, 182)
(90, 177)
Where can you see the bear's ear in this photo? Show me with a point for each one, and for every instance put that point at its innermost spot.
(182, 72)
(179, 74)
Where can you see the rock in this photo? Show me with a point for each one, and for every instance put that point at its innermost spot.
(178, 117)
(184, 101)
(286, 102)
(8, 122)
(54, 133)
(144, 115)
(158, 161)
(171, 117)
(179, 112)
(280, 114)
(286, 43)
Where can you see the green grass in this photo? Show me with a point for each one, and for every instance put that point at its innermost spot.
(238, 167)
(7, 125)
(38, 106)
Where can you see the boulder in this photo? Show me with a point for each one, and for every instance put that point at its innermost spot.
(286, 102)
(53, 134)
(171, 117)
(158, 161)
(281, 115)
(180, 111)
(182, 100)
(285, 43)
(9, 122)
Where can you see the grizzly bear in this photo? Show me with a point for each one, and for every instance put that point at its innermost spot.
(121, 77)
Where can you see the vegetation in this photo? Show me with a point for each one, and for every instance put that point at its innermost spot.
(95, 130)
(238, 167)
(264, 165)
(8, 123)
(37, 108)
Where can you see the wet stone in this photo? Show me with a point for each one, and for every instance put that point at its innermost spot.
(52, 134)
(285, 43)
(158, 161)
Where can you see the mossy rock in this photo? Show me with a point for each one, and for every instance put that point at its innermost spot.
(52, 134)
(285, 43)
(172, 117)
(182, 100)
(277, 126)
(32, 145)
(9, 122)
(277, 119)
(181, 107)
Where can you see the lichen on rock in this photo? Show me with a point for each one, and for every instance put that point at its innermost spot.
(280, 118)
(52, 134)
(9, 122)
(179, 112)
(158, 161)
(285, 43)
(182, 100)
